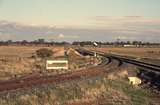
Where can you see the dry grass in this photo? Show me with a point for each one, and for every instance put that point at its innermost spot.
(97, 90)
(17, 60)
(77, 61)
(138, 52)
(27, 51)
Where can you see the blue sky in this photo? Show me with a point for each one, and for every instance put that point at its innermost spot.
(57, 11)
(116, 16)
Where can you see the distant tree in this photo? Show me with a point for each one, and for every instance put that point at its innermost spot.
(44, 53)
(76, 43)
(24, 42)
(135, 42)
(9, 41)
(128, 42)
(147, 43)
(41, 41)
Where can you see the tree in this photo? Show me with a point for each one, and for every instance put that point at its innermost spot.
(41, 41)
(128, 42)
(44, 53)
(9, 41)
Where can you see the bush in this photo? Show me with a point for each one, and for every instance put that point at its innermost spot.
(44, 53)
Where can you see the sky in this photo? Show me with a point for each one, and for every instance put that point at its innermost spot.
(70, 20)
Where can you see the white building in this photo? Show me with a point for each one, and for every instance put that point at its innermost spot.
(130, 45)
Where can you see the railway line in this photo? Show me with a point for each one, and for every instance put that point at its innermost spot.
(149, 73)
(147, 66)
(108, 65)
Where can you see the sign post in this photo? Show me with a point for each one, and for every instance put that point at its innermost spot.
(56, 64)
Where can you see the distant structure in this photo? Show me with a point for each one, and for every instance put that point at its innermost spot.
(130, 45)
(56, 64)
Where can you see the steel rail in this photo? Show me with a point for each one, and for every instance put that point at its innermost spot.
(148, 66)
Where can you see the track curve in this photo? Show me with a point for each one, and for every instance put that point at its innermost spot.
(37, 80)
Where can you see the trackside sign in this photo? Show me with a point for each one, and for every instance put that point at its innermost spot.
(56, 64)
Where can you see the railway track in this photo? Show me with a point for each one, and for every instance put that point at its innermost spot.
(149, 73)
(147, 66)
(110, 64)
(107, 66)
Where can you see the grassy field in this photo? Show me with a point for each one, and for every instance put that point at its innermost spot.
(92, 91)
(139, 52)
(86, 91)
(27, 51)
(16, 61)
(149, 55)
(19, 60)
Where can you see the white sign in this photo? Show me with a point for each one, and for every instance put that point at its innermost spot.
(95, 44)
(57, 64)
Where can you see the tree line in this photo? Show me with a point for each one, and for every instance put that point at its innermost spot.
(80, 43)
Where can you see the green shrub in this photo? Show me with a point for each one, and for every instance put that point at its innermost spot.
(44, 53)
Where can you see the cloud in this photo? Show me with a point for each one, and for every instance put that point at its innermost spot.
(61, 36)
(6, 36)
(124, 21)
(127, 24)
(107, 29)
(124, 38)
